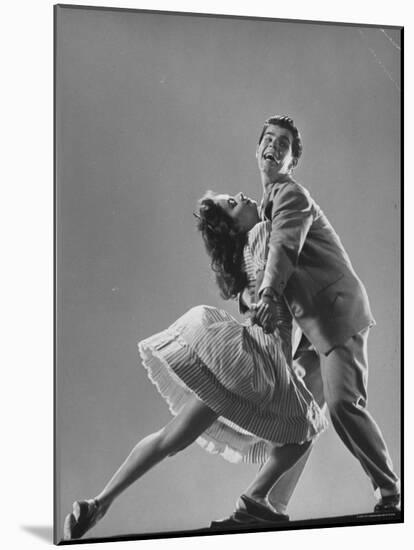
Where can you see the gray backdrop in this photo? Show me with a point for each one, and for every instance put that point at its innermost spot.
(152, 110)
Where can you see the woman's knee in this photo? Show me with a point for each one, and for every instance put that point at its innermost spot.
(184, 428)
(172, 441)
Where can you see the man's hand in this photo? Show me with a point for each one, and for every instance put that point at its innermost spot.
(266, 314)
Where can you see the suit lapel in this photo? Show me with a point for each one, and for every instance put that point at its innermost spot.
(265, 208)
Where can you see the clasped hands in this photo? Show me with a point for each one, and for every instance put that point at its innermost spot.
(266, 313)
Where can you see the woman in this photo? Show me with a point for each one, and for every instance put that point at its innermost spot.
(229, 385)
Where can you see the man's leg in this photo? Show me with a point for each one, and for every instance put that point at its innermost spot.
(282, 491)
(252, 508)
(280, 461)
(345, 377)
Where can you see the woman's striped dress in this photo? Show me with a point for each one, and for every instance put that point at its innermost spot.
(238, 371)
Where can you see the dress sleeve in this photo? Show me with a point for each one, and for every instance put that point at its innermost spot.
(258, 244)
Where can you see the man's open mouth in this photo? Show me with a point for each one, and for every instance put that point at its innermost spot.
(270, 156)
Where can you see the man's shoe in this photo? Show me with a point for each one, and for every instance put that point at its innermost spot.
(227, 523)
(252, 514)
(253, 509)
(389, 503)
(242, 520)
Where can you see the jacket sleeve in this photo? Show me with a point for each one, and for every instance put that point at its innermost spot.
(292, 215)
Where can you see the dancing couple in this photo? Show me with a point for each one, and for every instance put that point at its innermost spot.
(233, 387)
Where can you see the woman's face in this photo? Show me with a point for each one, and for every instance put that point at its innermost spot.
(241, 209)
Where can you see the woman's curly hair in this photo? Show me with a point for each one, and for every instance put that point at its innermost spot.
(224, 245)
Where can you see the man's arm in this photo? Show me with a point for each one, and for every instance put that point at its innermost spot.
(292, 216)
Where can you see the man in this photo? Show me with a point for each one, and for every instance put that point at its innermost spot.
(308, 265)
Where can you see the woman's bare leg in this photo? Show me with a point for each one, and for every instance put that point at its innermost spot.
(180, 432)
(191, 422)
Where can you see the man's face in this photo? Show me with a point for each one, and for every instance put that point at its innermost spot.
(274, 153)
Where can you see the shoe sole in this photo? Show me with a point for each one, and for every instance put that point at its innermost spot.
(68, 525)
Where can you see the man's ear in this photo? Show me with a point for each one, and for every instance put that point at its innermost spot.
(293, 164)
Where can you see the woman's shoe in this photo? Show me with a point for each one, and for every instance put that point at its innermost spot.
(84, 516)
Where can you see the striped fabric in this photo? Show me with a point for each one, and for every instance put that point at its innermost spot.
(238, 371)
(254, 260)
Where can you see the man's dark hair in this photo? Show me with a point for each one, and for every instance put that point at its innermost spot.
(286, 122)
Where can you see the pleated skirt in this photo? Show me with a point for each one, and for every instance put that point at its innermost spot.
(242, 374)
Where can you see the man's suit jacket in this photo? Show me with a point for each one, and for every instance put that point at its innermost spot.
(308, 264)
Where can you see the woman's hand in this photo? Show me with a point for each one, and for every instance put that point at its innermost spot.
(265, 314)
